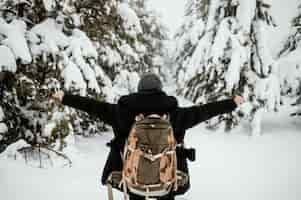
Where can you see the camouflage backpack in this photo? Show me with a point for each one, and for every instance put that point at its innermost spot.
(150, 162)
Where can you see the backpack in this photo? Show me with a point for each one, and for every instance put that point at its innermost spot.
(149, 159)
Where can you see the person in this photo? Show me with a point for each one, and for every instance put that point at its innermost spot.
(150, 99)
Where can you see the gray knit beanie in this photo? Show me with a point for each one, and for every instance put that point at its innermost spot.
(149, 81)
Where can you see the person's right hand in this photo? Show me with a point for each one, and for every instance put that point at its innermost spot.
(238, 100)
(58, 96)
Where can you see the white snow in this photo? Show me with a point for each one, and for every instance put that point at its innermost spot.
(196, 31)
(263, 48)
(111, 56)
(47, 132)
(130, 19)
(171, 17)
(229, 166)
(80, 49)
(125, 83)
(197, 57)
(47, 38)
(73, 77)
(220, 41)
(255, 161)
(77, 53)
(211, 22)
(1, 114)
(49, 4)
(15, 39)
(129, 51)
(12, 150)
(3, 128)
(245, 13)
(283, 14)
(7, 59)
(290, 70)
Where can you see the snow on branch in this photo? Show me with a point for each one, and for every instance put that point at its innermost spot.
(130, 19)
(15, 38)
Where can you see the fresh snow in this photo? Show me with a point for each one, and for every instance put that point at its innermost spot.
(3, 128)
(7, 60)
(130, 19)
(125, 82)
(290, 70)
(229, 166)
(48, 129)
(255, 161)
(283, 14)
(15, 39)
(111, 56)
(80, 49)
(245, 13)
(11, 151)
(47, 38)
(1, 114)
(73, 77)
(49, 4)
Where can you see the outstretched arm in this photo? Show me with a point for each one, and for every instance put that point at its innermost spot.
(105, 111)
(193, 115)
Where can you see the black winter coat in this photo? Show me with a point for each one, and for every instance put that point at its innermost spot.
(121, 116)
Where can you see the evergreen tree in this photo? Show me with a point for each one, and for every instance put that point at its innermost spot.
(69, 45)
(13, 124)
(12, 121)
(50, 57)
(187, 38)
(230, 56)
(289, 57)
(153, 37)
(128, 36)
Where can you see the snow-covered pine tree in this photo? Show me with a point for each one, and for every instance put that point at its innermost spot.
(50, 57)
(13, 122)
(70, 45)
(290, 63)
(230, 56)
(151, 50)
(153, 37)
(216, 48)
(187, 37)
(127, 36)
(262, 88)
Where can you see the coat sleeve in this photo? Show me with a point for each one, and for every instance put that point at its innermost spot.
(191, 116)
(105, 111)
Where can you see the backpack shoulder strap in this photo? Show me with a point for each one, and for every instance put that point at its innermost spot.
(156, 116)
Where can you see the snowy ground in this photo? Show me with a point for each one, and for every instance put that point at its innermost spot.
(229, 166)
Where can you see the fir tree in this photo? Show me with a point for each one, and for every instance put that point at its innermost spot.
(230, 57)
(12, 121)
(291, 82)
(68, 45)
(153, 37)
(51, 57)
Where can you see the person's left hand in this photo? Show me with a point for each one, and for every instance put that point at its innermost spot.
(238, 100)
(58, 96)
